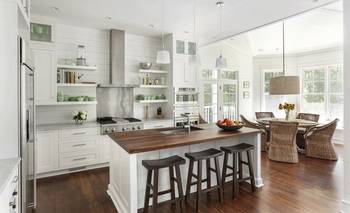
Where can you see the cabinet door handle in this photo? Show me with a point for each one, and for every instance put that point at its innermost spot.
(79, 159)
(79, 133)
(81, 144)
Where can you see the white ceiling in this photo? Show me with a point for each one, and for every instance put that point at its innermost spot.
(317, 29)
(135, 16)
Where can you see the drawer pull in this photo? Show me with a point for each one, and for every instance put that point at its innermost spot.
(159, 126)
(81, 144)
(79, 133)
(79, 159)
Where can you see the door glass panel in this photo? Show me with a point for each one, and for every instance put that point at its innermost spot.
(209, 74)
(230, 101)
(210, 102)
(229, 75)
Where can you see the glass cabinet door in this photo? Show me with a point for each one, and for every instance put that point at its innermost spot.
(40, 32)
(229, 105)
(210, 91)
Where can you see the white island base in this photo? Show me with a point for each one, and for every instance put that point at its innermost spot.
(128, 176)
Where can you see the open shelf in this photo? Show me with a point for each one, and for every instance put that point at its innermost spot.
(76, 85)
(153, 86)
(76, 67)
(68, 103)
(152, 101)
(153, 71)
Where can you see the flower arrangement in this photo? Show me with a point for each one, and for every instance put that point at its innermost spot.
(287, 107)
(79, 116)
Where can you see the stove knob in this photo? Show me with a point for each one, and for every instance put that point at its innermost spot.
(133, 128)
(123, 129)
(138, 127)
(106, 131)
(113, 130)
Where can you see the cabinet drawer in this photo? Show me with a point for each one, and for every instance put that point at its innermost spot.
(78, 133)
(158, 124)
(78, 159)
(78, 145)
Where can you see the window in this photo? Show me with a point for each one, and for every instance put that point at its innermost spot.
(322, 91)
(210, 102)
(270, 102)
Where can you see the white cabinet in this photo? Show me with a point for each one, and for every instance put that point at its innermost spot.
(105, 148)
(45, 73)
(183, 73)
(9, 196)
(46, 151)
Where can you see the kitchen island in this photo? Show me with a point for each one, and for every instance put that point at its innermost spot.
(128, 176)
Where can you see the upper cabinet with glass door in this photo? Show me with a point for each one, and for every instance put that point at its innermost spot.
(185, 47)
(41, 32)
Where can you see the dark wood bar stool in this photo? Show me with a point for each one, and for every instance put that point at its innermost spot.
(199, 157)
(154, 166)
(237, 151)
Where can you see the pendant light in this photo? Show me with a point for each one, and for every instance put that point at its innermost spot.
(221, 61)
(195, 60)
(284, 85)
(163, 55)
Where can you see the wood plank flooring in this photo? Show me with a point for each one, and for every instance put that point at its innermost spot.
(311, 186)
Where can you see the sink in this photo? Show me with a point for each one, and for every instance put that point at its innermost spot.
(179, 130)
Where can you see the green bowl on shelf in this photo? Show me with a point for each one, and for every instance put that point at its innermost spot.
(91, 98)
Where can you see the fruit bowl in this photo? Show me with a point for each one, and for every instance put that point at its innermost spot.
(228, 125)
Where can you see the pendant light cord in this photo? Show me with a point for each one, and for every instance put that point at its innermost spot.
(284, 50)
(194, 21)
(162, 24)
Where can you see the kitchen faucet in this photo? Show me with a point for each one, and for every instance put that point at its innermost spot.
(188, 126)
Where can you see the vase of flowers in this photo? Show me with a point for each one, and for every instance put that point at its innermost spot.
(79, 117)
(287, 107)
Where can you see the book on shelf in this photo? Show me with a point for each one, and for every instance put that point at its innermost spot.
(66, 77)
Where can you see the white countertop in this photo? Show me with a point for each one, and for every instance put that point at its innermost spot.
(58, 126)
(6, 168)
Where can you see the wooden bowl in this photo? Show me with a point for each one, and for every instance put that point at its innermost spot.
(230, 128)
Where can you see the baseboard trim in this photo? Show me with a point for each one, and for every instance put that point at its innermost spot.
(345, 206)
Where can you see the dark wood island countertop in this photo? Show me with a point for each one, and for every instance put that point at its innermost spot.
(153, 139)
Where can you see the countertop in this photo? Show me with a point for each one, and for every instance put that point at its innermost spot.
(153, 139)
(6, 168)
(43, 127)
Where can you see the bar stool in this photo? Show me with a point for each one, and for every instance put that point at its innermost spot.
(237, 151)
(199, 157)
(154, 166)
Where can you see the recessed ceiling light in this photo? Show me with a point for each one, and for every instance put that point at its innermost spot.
(261, 50)
(186, 32)
(151, 25)
(315, 1)
(214, 37)
(108, 18)
(277, 49)
(55, 9)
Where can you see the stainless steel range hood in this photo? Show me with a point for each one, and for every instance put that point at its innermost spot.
(118, 75)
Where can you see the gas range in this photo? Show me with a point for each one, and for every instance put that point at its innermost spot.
(115, 124)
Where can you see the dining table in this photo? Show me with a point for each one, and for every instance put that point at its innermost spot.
(303, 126)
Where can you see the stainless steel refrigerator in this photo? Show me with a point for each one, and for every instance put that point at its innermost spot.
(27, 127)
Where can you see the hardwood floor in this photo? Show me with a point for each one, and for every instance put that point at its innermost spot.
(311, 186)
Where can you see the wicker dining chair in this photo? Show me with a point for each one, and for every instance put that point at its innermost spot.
(264, 133)
(308, 116)
(283, 146)
(260, 115)
(319, 141)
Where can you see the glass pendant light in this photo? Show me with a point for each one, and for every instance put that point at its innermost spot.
(284, 85)
(221, 61)
(163, 55)
(195, 60)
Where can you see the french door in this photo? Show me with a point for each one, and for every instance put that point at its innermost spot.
(220, 95)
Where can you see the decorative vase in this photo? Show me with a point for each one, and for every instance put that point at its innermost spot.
(287, 114)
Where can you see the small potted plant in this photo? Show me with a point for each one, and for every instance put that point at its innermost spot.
(287, 107)
(79, 117)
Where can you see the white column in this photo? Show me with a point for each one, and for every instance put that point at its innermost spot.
(346, 198)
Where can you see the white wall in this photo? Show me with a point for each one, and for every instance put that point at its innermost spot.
(8, 80)
(237, 60)
(346, 198)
